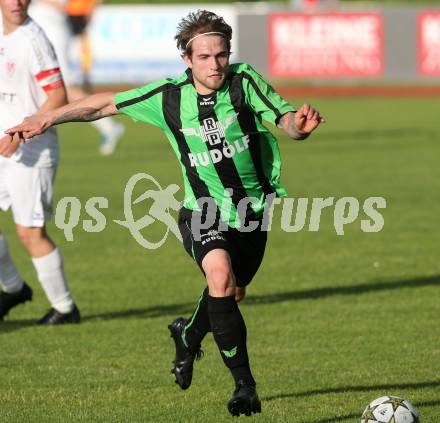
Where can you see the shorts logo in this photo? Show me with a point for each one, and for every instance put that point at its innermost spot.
(212, 235)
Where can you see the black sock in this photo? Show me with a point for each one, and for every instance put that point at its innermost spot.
(229, 332)
(198, 324)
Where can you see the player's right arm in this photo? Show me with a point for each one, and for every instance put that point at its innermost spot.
(87, 109)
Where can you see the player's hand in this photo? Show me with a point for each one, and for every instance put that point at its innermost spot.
(30, 127)
(9, 145)
(307, 119)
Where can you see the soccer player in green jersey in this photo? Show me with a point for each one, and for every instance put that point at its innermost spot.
(212, 116)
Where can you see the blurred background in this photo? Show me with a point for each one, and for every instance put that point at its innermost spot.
(314, 41)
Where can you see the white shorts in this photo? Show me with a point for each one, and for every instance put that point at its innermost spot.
(28, 190)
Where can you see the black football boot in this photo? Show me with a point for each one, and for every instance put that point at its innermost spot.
(184, 358)
(54, 317)
(244, 400)
(8, 301)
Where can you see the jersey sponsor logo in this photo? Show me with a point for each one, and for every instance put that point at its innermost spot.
(7, 97)
(215, 155)
(10, 68)
(210, 127)
(212, 132)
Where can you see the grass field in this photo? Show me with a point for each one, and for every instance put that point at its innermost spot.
(333, 321)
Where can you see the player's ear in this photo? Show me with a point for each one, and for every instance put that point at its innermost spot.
(187, 60)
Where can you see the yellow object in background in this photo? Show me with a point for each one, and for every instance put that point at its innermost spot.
(79, 13)
(80, 7)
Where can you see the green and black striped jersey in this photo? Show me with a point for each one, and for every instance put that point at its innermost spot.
(225, 151)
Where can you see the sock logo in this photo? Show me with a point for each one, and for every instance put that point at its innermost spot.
(231, 353)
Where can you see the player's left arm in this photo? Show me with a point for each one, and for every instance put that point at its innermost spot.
(300, 124)
(270, 106)
(56, 97)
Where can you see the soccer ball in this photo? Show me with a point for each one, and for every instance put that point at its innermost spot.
(390, 410)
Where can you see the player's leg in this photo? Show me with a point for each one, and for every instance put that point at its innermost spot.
(48, 263)
(31, 190)
(10, 279)
(14, 289)
(86, 50)
(229, 330)
(250, 248)
(188, 333)
(197, 326)
(248, 255)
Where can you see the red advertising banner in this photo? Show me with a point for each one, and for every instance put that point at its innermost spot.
(326, 45)
(428, 37)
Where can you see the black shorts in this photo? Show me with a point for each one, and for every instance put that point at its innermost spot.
(246, 249)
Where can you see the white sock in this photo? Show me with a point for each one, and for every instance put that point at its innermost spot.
(105, 126)
(50, 271)
(10, 280)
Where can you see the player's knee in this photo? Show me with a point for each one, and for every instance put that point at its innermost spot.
(23, 235)
(29, 236)
(220, 280)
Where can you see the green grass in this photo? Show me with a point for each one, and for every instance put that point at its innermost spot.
(333, 321)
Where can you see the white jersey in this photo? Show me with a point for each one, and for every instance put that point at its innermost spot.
(28, 68)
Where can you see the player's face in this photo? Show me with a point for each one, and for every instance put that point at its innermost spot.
(209, 63)
(14, 12)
